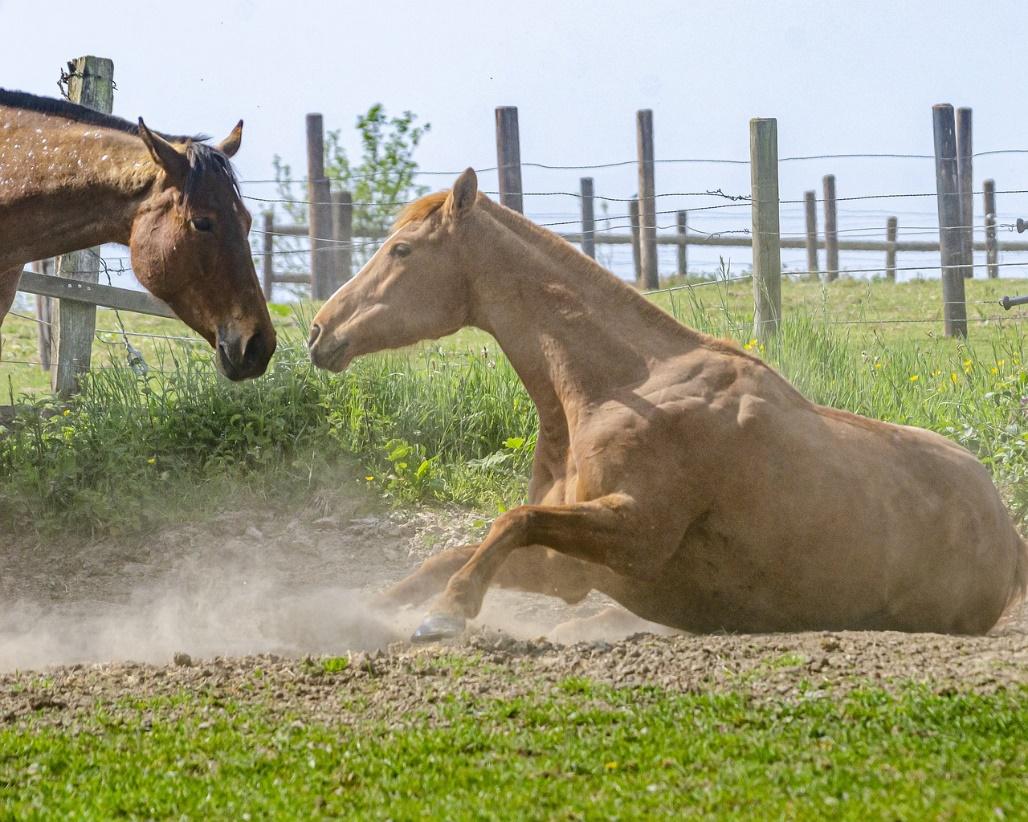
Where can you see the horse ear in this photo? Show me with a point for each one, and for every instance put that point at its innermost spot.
(168, 157)
(230, 145)
(462, 197)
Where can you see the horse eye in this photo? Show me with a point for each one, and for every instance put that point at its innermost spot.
(202, 224)
(401, 250)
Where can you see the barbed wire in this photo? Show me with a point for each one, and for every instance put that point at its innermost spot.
(738, 200)
(659, 161)
(575, 194)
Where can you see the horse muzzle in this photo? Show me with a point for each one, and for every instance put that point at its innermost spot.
(326, 352)
(241, 356)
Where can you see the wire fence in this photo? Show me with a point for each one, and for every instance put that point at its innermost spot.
(712, 217)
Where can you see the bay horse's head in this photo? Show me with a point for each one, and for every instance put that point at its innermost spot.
(415, 287)
(189, 247)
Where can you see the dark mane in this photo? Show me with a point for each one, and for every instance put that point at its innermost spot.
(79, 114)
(206, 161)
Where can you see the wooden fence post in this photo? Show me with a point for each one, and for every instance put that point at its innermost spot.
(767, 252)
(647, 199)
(810, 207)
(45, 316)
(965, 183)
(950, 233)
(682, 227)
(891, 231)
(268, 249)
(91, 85)
(342, 234)
(991, 248)
(831, 230)
(633, 221)
(508, 157)
(588, 218)
(319, 210)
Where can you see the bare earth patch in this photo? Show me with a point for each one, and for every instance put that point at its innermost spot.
(253, 603)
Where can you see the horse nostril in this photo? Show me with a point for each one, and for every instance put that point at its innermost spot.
(254, 347)
(313, 338)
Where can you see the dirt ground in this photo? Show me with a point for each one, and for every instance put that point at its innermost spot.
(263, 590)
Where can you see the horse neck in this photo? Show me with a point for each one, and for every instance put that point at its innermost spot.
(573, 331)
(66, 185)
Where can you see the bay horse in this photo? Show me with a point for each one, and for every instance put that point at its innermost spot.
(678, 474)
(72, 178)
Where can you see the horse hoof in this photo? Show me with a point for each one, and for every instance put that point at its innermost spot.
(437, 627)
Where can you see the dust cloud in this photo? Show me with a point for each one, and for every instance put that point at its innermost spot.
(248, 582)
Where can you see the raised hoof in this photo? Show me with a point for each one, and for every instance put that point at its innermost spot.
(438, 627)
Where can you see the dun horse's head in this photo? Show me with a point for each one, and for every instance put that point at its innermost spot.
(414, 288)
(189, 247)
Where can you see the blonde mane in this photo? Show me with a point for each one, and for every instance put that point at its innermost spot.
(421, 209)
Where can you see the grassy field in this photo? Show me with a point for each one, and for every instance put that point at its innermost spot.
(580, 750)
(450, 421)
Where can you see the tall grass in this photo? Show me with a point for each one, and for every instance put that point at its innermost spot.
(446, 422)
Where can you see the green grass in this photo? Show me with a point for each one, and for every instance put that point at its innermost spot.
(586, 751)
(450, 422)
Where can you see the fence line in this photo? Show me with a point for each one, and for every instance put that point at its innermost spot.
(331, 236)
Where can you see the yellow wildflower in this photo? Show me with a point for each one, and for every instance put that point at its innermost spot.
(953, 377)
(67, 412)
(152, 461)
(914, 378)
(750, 345)
(993, 370)
(878, 365)
(967, 366)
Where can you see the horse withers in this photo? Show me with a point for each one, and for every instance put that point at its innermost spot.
(673, 471)
(72, 178)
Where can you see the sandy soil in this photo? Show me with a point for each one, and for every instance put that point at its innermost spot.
(266, 590)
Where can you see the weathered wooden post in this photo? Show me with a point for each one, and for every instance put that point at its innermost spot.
(991, 246)
(810, 207)
(954, 308)
(767, 252)
(268, 249)
(45, 317)
(92, 85)
(682, 227)
(891, 231)
(588, 218)
(647, 199)
(319, 210)
(508, 157)
(633, 222)
(831, 230)
(965, 183)
(342, 237)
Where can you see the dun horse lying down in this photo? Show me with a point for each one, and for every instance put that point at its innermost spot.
(674, 472)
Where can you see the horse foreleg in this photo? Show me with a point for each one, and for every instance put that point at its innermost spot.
(428, 580)
(8, 288)
(605, 531)
(534, 570)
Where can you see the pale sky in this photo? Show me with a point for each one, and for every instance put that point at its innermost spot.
(840, 78)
